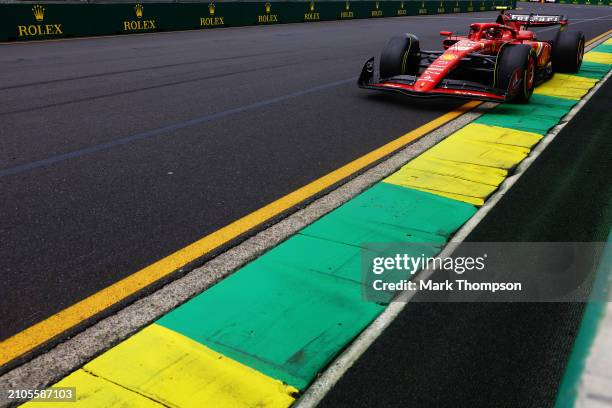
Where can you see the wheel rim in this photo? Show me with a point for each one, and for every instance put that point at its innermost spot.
(580, 53)
(515, 81)
(529, 75)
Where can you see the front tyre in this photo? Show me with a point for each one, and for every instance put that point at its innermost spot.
(568, 51)
(515, 71)
(401, 56)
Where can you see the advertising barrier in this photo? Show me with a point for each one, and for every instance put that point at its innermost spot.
(40, 21)
(587, 2)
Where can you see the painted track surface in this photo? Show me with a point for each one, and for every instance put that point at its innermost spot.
(72, 228)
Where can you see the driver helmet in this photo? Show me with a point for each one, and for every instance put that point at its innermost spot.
(492, 33)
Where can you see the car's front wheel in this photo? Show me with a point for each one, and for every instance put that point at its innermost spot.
(401, 56)
(515, 72)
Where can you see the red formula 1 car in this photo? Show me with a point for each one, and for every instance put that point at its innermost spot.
(500, 62)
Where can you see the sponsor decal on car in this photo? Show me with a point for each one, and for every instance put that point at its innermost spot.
(535, 18)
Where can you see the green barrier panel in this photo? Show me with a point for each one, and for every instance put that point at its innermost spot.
(147, 17)
(4, 23)
(56, 20)
(126, 18)
(46, 21)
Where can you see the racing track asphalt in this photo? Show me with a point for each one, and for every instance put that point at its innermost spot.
(97, 213)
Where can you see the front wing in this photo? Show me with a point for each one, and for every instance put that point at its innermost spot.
(448, 88)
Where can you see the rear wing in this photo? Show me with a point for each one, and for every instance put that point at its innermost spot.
(538, 20)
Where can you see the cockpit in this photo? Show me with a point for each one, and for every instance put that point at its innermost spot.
(490, 31)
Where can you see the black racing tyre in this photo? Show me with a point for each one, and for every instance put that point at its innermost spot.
(568, 50)
(515, 71)
(401, 56)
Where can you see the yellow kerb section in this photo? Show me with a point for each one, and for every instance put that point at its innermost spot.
(599, 57)
(92, 391)
(160, 365)
(469, 165)
(566, 86)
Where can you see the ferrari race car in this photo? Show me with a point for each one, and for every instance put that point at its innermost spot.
(499, 62)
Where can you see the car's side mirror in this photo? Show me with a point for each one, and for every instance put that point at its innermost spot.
(523, 37)
(446, 33)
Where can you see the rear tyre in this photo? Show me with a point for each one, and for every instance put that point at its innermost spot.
(568, 50)
(515, 71)
(401, 56)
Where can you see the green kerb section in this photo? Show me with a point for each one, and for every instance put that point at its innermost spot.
(391, 213)
(284, 322)
(538, 116)
(290, 312)
(603, 48)
(593, 70)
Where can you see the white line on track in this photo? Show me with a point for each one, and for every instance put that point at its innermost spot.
(315, 393)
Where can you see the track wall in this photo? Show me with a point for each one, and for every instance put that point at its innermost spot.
(40, 21)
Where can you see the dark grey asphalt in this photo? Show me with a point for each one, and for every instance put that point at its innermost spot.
(81, 210)
(499, 354)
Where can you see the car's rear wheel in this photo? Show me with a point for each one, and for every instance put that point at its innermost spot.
(568, 50)
(515, 72)
(401, 56)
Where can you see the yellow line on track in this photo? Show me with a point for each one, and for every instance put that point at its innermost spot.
(600, 36)
(46, 330)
